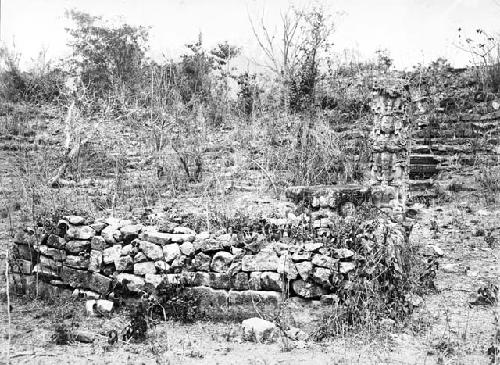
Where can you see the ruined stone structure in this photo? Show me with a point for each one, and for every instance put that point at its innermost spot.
(390, 156)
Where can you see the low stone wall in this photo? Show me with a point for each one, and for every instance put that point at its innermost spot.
(241, 272)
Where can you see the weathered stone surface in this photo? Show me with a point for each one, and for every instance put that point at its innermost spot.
(77, 261)
(221, 261)
(208, 245)
(263, 261)
(48, 262)
(304, 256)
(304, 269)
(287, 267)
(329, 299)
(77, 278)
(211, 303)
(45, 271)
(144, 268)
(99, 283)
(75, 219)
(111, 235)
(141, 257)
(56, 254)
(95, 262)
(111, 254)
(325, 261)
(201, 279)
(183, 230)
(98, 226)
(239, 281)
(321, 275)
(22, 266)
(98, 243)
(171, 252)
(220, 281)
(131, 231)
(124, 263)
(254, 281)
(161, 266)
(343, 253)
(202, 262)
(249, 303)
(345, 267)
(56, 241)
(187, 248)
(128, 250)
(152, 251)
(307, 290)
(271, 281)
(77, 246)
(133, 282)
(153, 279)
(80, 233)
(258, 330)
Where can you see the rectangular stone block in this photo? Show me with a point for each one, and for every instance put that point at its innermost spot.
(263, 261)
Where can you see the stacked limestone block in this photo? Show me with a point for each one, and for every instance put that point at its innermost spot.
(390, 156)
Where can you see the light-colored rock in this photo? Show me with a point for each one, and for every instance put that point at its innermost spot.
(343, 253)
(171, 252)
(263, 261)
(95, 260)
(90, 306)
(141, 257)
(202, 262)
(77, 262)
(144, 268)
(104, 306)
(321, 275)
(287, 267)
(111, 254)
(75, 220)
(433, 250)
(304, 269)
(345, 267)
(183, 230)
(127, 250)
(152, 251)
(111, 235)
(131, 230)
(296, 334)
(153, 279)
(80, 233)
(271, 281)
(162, 266)
(258, 330)
(325, 261)
(221, 261)
(187, 248)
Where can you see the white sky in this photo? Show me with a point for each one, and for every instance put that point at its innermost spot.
(412, 30)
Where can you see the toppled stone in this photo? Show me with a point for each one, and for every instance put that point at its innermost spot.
(221, 261)
(263, 261)
(296, 334)
(132, 282)
(187, 248)
(95, 260)
(307, 290)
(433, 250)
(124, 263)
(111, 254)
(304, 269)
(152, 251)
(131, 231)
(77, 246)
(171, 252)
(144, 268)
(80, 233)
(258, 330)
(202, 262)
(104, 306)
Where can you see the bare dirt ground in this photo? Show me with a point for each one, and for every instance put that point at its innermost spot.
(446, 329)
